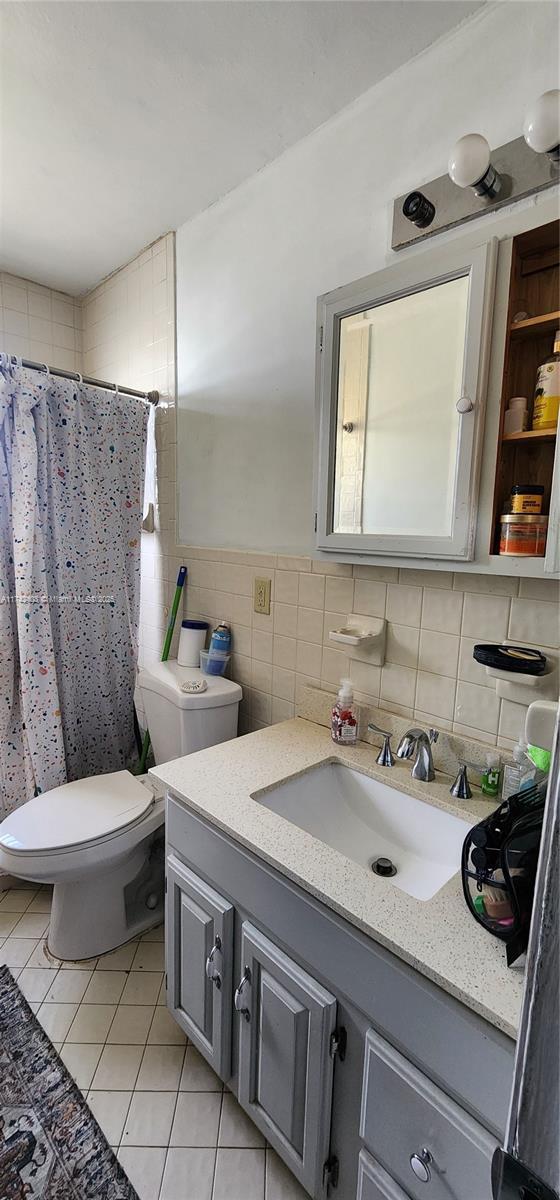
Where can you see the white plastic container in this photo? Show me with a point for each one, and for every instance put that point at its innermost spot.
(192, 640)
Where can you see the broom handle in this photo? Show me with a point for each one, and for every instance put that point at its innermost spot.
(164, 656)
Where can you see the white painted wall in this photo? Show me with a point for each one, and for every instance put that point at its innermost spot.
(249, 269)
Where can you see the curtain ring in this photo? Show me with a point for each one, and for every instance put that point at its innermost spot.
(46, 369)
(80, 377)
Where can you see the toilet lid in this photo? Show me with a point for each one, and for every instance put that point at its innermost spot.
(83, 811)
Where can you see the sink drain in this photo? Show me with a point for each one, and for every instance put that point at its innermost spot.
(383, 867)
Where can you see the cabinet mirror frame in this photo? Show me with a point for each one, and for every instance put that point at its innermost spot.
(416, 274)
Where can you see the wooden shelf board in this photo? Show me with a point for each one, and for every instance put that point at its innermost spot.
(531, 435)
(536, 326)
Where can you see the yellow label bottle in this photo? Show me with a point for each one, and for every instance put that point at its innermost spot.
(547, 391)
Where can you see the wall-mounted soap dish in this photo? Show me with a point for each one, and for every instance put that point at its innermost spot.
(523, 688)
(363, 638)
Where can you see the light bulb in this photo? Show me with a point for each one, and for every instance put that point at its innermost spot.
(542, 125)
(470, 166)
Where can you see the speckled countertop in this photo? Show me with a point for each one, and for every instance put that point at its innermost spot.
(438, 937)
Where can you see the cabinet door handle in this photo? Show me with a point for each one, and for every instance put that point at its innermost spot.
(241, 1007)
(420, 1164)
(212, 971)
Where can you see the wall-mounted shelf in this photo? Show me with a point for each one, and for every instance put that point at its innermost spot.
(531, 435)
(535, 326)
(528, 457)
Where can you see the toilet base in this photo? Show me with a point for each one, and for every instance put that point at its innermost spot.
(98, 913)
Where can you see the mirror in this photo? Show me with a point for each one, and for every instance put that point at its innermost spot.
(400, 374)
(396, 462)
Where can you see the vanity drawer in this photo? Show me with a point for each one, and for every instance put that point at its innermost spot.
(404, 1114)
(374, 1183)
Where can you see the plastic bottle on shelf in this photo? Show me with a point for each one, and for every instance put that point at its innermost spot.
(547, 391)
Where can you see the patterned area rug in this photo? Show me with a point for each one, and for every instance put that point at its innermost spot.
(51, 1147)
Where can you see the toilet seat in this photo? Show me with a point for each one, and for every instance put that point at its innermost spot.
(75, 815)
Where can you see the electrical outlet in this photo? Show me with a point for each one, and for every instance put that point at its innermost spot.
(261, 596)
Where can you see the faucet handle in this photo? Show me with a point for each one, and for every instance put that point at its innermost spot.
(461, 788)
(433, 735)
(385, 757)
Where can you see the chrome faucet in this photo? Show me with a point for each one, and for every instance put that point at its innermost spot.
(416, 741)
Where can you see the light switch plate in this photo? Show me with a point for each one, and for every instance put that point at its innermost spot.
(261, 596)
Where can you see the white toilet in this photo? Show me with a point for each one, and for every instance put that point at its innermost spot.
(100, 840)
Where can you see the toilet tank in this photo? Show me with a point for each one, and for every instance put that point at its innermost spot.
(181, 722)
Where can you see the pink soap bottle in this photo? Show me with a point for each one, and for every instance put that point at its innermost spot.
(344, 716)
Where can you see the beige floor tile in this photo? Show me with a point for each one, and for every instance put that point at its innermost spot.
(109, 1110)
(236, 1129)
(280, 1183)
(81, 1061)
(161, 1068)
(7, 922)
(16, 952)
(91, 1023)
(35, 982)
(197, 1076)
(31, 925)
(118, 960)
(150, 956)
(105, 987)
(17, 900)
(142, 987)
(239, 1175)
(69, 986)
(41, 903)
(188, 1175)
(144, 1167)
(196, 1120)
(164, 1030)
(42, 957)
(118, 1068)
(149, 1119)
(154, 935)
(56, 1019)
(131, 1024)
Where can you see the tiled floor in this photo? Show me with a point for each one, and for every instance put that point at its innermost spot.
(177, 1132)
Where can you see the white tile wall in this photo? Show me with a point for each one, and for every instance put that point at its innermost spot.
(40, 324)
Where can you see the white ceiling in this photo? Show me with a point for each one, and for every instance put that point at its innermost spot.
(121, 120)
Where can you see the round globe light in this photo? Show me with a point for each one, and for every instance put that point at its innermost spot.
(469, 160)
(542, 124)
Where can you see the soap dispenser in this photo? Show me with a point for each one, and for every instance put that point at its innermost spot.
(344, 716)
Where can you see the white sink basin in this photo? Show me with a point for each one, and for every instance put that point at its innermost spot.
(366, 820)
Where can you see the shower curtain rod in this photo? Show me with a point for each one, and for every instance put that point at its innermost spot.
(153, 397)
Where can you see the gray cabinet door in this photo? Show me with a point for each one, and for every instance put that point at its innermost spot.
(199, 954)
(285, 1068)
(374, 1183)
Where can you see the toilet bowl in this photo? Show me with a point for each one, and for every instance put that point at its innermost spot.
(99, 840)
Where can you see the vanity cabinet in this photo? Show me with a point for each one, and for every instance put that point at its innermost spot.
(199, 956)
(285, 1072)
(351, 1064)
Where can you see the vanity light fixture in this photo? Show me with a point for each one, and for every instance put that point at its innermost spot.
(470, 166)
(541, 129)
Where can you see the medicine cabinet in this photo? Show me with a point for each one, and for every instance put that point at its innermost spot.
(401, 389)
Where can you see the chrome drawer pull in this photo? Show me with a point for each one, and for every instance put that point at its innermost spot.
(420, 1164)
(244, 982)
(212, 972)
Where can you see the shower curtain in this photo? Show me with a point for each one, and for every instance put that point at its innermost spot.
(71, 487)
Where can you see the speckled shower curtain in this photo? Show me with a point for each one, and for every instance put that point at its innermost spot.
(71, 485)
